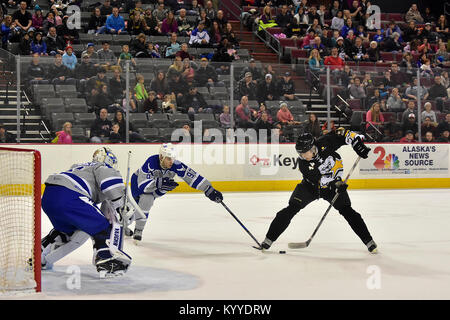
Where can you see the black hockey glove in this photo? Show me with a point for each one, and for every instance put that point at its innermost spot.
(214, 195)
(360, 148)
(340, 186)
(168, 184)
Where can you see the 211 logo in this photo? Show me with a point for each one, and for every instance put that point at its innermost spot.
(389, 162)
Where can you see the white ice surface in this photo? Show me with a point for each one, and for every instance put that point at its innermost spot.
(192, 248)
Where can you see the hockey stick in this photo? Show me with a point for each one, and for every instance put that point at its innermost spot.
(124, 221)
(249, 233)
(300, 245)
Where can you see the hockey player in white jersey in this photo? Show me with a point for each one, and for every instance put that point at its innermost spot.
(155, 178)
(70, 201)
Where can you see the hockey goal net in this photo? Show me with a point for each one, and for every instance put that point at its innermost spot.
(20, 220)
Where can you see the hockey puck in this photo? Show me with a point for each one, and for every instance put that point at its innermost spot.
(282, 252)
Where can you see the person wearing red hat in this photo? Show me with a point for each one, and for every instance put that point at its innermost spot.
(69, 59)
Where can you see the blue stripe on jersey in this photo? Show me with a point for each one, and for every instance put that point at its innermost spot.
(79, 181)
(159, 193)
(197, 182)
(115, 182)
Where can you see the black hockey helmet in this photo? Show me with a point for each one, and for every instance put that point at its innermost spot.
(304, 143)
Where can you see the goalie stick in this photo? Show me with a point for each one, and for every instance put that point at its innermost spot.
(301, 245)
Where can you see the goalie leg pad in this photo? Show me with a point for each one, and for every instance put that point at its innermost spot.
(56, 245)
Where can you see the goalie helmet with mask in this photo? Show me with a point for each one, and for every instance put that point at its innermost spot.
(106, 156)
(306, 142)
(167, 155)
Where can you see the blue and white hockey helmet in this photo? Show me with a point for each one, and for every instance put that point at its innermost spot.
(106, 156)
(167, 150)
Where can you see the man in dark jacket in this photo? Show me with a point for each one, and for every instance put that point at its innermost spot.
(194, 102)
(36, 72)
(101, 128)
(438, 93)
(58, 73)
(84, 71)
(205, 75)
(267, 89)
(55, 44)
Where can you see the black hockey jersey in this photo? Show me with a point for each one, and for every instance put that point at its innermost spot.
(327, 165)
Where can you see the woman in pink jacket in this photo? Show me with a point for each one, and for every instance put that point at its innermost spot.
(65, 136)
(374, 116)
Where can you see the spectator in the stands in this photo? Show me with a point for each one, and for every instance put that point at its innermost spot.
(247, 86)
(49, 22)
(106, 9)
(378, 37)
(210, 11)
(23, 20)
(413, 90)
(5, 136)
(175, 68)
(188, 72)
(69, 59)
(319, 46)
(410, 124)
(308, 40)
(139, 90)
(38, 45)
(315, 62)
(442, 27)
(35, 71)
(203, 18)
(301, 17)
(168, 104)
(316, 27)
(392, 44)
(153, 28)
(183, 52)
(358, 52)
(194, 103)
(115, 23)
(173, 47)
(178, 87)
(438, 93)
(285, 117)
(7, 31)
(136, 24)
(119, 118)
(125, 55)
(347, 27)
(101, 128)
(215, 34)
(444, 136)
(97, 22)
(150, 104)
(313, 126)
(70, 35)
(444, 125)
(206, 75)
(283, 18)
(428, 112)
(413, 14)
(225, 118)
(361, 33)
(253, 69)
(411, 32)
(58, 73)
(357, 89)
(428, 16)
(138, 47)
(55, 44)
(337, 23)
(411, 109)
(90, 51)
(199, 37)
(65, 135)
(286, 87)
(84, 71)
(160, 85)
(184, 26)
(37, 19)
(117, 85)
(98, 81)
(374, 52)
(429, 137)
(264, 128)
(398, 78)
(106, 57)
(391, 29)
(374, 117)
(266, 89)
(169, 24)
(408, 137)
(160, 11)
(395, 102)
(245, 116)
(429, 126)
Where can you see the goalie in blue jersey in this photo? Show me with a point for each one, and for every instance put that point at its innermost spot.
(155, 178)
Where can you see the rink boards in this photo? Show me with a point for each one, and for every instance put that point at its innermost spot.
(266, 167)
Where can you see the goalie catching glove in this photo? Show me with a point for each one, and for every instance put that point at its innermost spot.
(213, 194)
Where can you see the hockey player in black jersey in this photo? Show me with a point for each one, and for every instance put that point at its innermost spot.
(322, 168)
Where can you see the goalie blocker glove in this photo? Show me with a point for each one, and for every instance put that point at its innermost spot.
(213, 194)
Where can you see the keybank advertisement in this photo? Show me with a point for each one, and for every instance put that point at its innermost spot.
(401, 159)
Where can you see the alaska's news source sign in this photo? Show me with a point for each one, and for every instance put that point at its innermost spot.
(406, 159)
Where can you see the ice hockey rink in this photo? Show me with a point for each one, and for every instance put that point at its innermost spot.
(192, 248)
